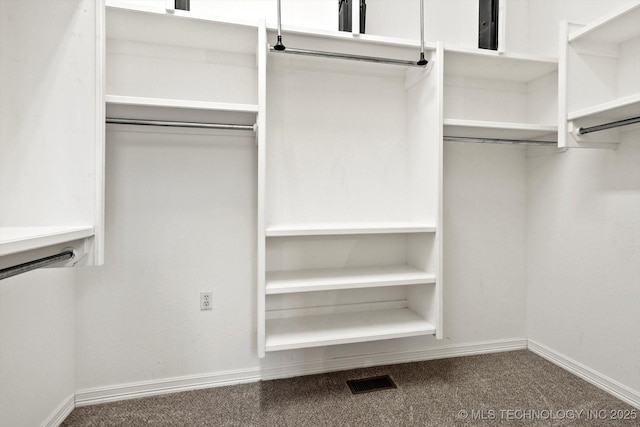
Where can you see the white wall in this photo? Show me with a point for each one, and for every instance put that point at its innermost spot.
(584, 257)
(37, 360)
(484, 219)
(180, 219)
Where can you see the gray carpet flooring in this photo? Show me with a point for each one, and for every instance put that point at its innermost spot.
(513, 388)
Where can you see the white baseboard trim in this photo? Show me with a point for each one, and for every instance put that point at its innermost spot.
(369, 360)
(172, 385)
(603, 382)
(140, 389)
(61, 412)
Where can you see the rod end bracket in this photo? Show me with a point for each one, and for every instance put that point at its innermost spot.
(422, 61)
(279, 45)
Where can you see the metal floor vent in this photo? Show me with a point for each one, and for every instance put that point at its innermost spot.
(366, 385)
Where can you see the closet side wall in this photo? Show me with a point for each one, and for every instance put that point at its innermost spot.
(583, 257)
(37, 360)
(583, 236)
(47, 155)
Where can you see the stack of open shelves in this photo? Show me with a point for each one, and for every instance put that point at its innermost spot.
(499, 96)
(600, 76)
(349, 228)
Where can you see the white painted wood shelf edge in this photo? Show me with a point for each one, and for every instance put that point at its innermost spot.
(348, 228)
(323, 279)
(343, 328)
(21, 239)
(617, 109)
(514, 56)
(482, 64)
(179, 103)
(487, 129)
(618, 26)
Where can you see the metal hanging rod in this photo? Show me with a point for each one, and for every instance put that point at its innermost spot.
(281, 48)
(499, 141)
(38, 263)
(116, 121)
(362, 58)
(625, 122)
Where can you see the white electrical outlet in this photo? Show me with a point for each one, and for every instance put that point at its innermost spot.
(206, 302)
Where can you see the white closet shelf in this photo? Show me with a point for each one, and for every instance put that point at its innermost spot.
(179, 103)
(491, 65)
(500, 130)
(348, 228)
(618, 109)
(21, 239)
(133, 107)
(342, 328)
(620, 25)
(180, 29)
(324, 279)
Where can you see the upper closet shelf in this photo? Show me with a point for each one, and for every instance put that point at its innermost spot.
(21, 239)
(132, 107)
(348, 228)
(618, 109)
(499, 130)
(179, 103)
(618, 26)
(180, 29)
(482, 64)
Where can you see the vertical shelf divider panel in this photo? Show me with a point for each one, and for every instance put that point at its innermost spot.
(52, 133)
(600, 63)
(262, 148)
(349, 202)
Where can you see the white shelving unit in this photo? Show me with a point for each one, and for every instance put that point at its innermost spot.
(349, 226)
(499, 96)
(52, 135)
(599, 81)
